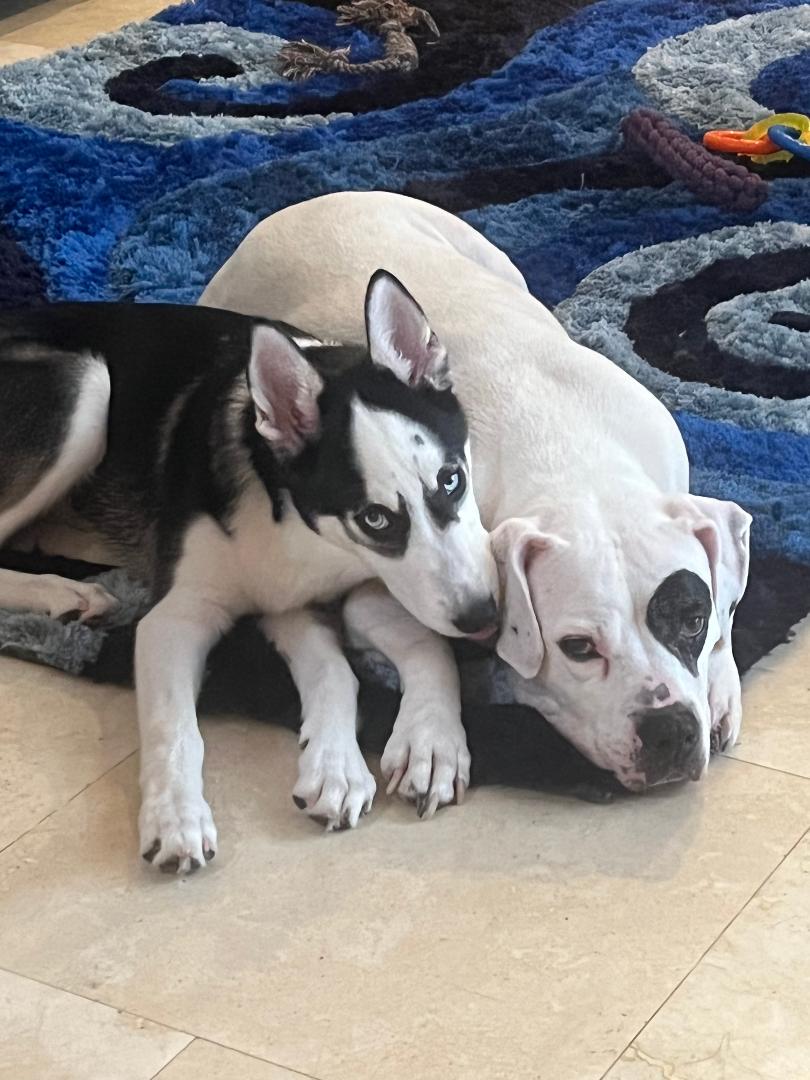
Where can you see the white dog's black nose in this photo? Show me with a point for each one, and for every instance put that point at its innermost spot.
(671, 747)
(479, 620)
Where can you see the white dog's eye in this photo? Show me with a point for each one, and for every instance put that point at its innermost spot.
(579, 649)
(694, 625)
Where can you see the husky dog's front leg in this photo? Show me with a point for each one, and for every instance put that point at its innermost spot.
(334, 783)
(426, 758)
(173, 640)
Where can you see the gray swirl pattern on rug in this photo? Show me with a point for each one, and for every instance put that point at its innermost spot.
(704, 77)
(66, 91)
(597, 312)
(741, 326)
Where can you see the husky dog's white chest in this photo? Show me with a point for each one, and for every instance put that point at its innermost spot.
(263, 565)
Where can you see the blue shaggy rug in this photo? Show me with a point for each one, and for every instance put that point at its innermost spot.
(131, 167)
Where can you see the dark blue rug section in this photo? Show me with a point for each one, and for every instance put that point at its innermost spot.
(131, 167)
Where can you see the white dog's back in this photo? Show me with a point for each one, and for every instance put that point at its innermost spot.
(524, 383)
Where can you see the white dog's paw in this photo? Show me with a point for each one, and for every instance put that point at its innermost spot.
(726, 713)
(725, 703)
(426, 759)
(62, 598)
(334, 784)
(177, 830)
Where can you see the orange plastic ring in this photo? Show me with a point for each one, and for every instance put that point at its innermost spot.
(735, 142)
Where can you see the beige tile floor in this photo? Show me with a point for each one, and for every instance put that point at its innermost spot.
(520, 936)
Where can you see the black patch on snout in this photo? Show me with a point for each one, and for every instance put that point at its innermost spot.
(679, 599)
(649, 697)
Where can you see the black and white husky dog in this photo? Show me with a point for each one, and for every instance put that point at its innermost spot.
(246, 468)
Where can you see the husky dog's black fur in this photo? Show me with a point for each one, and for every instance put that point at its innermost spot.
(173, 370)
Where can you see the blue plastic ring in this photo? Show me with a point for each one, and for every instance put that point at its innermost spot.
(785, 139)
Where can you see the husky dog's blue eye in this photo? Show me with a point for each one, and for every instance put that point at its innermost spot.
(375, 518)
(387, 529)
(452, 482)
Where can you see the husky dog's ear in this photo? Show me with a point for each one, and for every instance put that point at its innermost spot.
(399, 335)
(285, 388)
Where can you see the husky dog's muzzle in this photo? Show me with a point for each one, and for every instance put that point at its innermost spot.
(479, 619)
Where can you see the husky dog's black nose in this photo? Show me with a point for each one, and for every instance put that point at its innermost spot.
(479, 620)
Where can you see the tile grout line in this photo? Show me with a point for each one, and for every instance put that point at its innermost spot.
(768, 768)
(67, 802)
(706, 951)
(172, 1059)
(192, 1036)
(242, 1053)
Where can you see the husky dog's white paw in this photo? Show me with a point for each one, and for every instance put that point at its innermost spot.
(60, 598)
(177, 831)
(426, 759)
(334, 784)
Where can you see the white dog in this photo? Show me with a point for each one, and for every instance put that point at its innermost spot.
(619, 586)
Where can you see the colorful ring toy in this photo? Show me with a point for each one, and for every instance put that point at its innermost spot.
(785, 138)
(738, 142)
(757, 143)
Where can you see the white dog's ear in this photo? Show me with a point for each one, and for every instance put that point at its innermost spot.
(723, 528)
(285, 388)
(516, 543)
(400, 337)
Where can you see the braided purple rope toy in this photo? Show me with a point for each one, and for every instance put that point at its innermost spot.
(712, 179)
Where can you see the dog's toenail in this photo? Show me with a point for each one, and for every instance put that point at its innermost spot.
(209, 853)
(170, 866)
(299, 802)
(152, 852)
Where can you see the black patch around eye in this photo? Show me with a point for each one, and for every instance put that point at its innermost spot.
(392, 541)
(443, 508)
(678, 601)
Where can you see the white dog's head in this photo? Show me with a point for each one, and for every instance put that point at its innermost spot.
(611, 625)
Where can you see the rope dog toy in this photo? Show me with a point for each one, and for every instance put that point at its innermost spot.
(713, 180)
(394, 20)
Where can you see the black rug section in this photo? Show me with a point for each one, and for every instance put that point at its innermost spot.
(477, 38)
(140, 87)
(777, 599)
(488, 187)
(21, 280)
(794, 320)
(669, 330)
(794, 169)
(510, 744)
